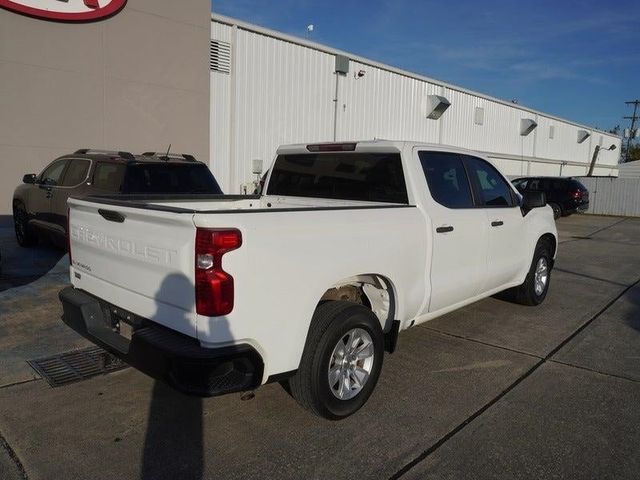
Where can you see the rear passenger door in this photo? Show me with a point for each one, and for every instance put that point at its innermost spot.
(499, 204)
(459, 231)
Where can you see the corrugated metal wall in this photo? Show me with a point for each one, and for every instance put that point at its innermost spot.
(630, 169)
(283, 90)
(613, 196)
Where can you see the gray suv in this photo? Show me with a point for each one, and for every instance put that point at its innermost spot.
(40, 203)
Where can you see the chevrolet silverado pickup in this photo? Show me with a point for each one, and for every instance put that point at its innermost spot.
(309, 282)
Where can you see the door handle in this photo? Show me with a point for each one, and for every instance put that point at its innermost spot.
(444, 229)
(111, 215)
(497, 223)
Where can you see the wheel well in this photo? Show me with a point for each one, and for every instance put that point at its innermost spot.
(549, 240)
(373, 291)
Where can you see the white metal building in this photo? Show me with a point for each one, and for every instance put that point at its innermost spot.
(268, 88)
(630, 169)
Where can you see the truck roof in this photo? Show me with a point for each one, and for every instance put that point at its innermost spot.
(367, 146)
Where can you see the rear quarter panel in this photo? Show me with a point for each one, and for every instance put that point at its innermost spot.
(289, 259)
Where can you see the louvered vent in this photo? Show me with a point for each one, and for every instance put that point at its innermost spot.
(220, 56)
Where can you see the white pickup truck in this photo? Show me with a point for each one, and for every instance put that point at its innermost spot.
(310, 282)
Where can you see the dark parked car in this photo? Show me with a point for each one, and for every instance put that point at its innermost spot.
(564, 195)
(40, 203)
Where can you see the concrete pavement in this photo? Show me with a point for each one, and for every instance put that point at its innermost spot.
(494, 390)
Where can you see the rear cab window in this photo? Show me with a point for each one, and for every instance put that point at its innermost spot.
(359, 176)
(170, 178)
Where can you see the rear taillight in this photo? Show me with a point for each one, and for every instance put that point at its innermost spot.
(214, 286)
(576, 193)
(69, 235)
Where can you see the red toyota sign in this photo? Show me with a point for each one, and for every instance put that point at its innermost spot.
(65, 10)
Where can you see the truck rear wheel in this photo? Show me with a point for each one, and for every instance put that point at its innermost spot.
(341, 361)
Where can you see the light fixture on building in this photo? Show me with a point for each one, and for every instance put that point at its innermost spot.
(583, 135)
(436, 106)
(527, 125)
(342, 64)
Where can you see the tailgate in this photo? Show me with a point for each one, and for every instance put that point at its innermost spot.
(138, 260)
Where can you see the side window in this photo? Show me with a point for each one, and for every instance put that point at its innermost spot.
(559, 185)
(51, 175)
(534, 184)
(521, 183)
(76, 173)
(447, 179)
(493, 190)
(108, 177)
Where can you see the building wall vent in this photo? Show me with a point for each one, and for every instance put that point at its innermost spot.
(552, 132)
(583, 135)
(436, 106)
(220, 56)
(478, 116)
(527, 125)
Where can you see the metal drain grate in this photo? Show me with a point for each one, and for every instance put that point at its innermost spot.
(77, 365)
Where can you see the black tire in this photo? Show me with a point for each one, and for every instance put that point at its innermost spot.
(526, 294)
(331, 323)
(24, 233)
(557, 211)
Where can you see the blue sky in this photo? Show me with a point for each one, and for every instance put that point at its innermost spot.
(576, 59)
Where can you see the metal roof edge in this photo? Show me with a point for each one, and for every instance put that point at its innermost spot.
(216, 17)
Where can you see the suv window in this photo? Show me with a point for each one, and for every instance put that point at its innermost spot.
(447, 179)
(76, 173)
(170, 178)
(492, 188)
(520, 183)
(108, 176)
(51, 175)
(373, 177)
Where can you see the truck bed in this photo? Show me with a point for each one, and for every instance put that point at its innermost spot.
(138, 253)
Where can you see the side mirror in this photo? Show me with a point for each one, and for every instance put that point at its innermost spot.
(29, 178)
(533, 200)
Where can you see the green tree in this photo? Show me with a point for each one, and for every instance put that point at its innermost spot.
(633, 154)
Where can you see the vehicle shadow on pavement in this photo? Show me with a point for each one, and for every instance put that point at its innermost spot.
(633, 317)
(20, 266)
(174, 445)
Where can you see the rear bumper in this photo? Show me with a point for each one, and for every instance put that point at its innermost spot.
(574, 206)
(162, 353)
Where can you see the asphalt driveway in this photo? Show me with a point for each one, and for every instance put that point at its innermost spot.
(494, 390)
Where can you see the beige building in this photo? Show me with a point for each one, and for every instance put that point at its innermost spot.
(136, 80)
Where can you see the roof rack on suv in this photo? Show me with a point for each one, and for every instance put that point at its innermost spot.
(113, 153)
(175, 156)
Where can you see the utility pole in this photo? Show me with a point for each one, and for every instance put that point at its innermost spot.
(633, 119)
